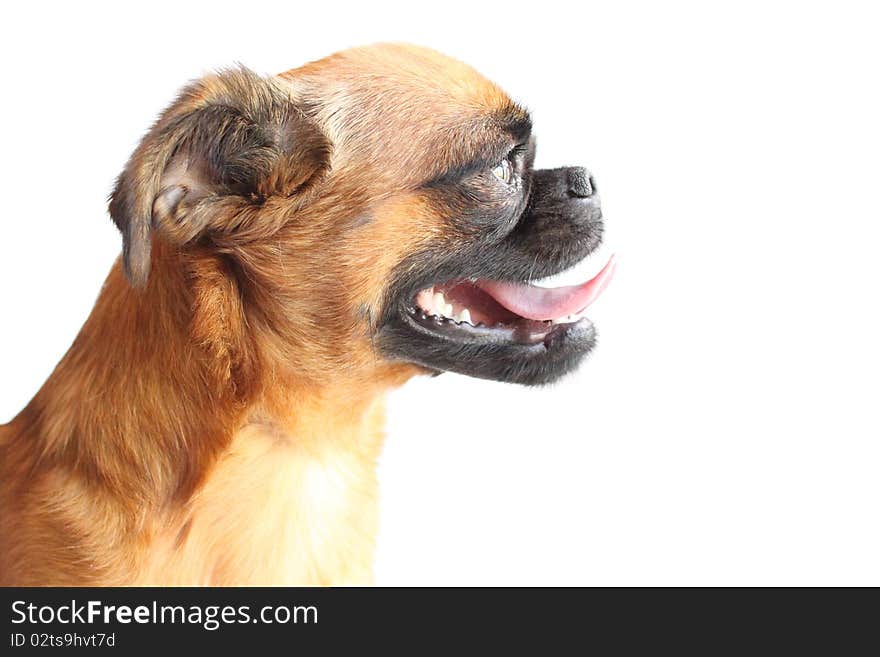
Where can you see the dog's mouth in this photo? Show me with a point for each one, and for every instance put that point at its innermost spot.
(486, 311)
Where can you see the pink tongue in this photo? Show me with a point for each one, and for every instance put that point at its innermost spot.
(548, 303)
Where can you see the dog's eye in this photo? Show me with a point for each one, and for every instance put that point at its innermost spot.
(504, 171)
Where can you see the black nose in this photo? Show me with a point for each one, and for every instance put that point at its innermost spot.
(580, 183)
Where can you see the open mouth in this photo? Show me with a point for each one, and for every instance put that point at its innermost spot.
(489, 311)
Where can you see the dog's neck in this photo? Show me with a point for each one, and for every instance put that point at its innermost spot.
(171, 441)
(161, 379)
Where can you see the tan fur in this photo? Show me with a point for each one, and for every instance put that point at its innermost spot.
(220, 423)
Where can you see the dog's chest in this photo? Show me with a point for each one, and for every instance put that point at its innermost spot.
(277, 511)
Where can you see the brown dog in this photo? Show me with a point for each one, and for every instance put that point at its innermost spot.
(294, 247)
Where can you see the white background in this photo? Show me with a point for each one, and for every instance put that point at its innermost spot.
(726, 429)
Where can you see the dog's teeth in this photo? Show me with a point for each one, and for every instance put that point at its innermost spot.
(568, 319)
(448, 311)
(465, 316)
(439, 303)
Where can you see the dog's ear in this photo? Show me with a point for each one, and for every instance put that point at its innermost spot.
(228, 142)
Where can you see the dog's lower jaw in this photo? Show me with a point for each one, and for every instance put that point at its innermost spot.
(127, 468)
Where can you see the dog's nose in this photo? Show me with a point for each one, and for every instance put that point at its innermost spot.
(580, 182)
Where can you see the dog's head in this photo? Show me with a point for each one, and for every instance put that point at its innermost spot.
(372, 209)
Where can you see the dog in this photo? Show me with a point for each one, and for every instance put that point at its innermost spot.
(294, 247)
